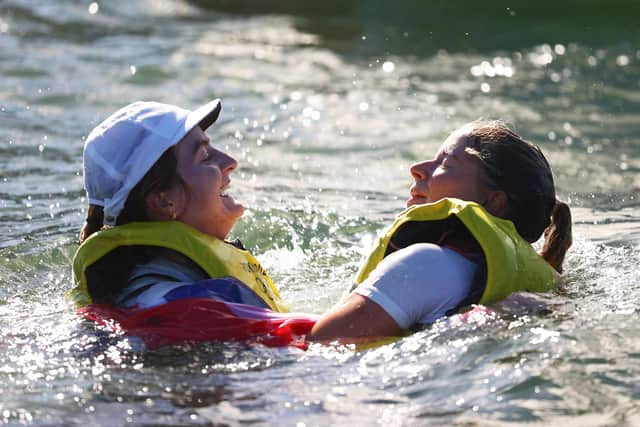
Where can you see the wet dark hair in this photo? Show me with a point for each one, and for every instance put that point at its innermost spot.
(518, 167)
(108, 276)
(162, 176)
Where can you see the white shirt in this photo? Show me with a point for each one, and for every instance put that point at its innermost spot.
(150, 282)
(419, 284)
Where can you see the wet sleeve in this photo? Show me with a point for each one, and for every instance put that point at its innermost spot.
(419, 284)
(150, 282)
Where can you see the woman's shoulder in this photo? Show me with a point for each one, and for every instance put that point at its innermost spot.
(419, 283)
(170, 266)
(150, 280)
(426, 255)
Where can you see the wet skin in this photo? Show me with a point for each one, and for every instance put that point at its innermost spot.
(202, 202)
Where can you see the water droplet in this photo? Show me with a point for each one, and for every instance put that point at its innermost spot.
(487, 69)
(364, 106)
(622, 60)
(133, 70)
(485, 87)
(388, 67)
(559, 49)
(93, 8)
(476, 70)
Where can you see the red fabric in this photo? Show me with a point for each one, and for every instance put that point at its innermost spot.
(203, 319)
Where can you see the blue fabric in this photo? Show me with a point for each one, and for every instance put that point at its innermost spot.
(227, 289)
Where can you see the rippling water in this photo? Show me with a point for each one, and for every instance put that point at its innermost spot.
(325, 105)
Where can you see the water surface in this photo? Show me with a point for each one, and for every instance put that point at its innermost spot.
(325, 105)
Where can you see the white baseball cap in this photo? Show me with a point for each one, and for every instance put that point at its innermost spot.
(122, 149)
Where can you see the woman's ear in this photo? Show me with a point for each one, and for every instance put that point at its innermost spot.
(497, 203)
(164, 205)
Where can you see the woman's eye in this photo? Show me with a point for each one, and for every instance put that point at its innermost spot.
(205, 154)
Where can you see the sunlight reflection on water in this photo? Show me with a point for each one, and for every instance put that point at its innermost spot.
(324, 115)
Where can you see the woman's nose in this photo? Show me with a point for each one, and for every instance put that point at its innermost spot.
(230, 165)
(226, 162)
(421, 170)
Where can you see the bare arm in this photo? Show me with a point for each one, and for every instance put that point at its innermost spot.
(357, 319)
(417, 284)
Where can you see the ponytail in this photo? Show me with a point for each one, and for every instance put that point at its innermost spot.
(94, 222)
(557, 236)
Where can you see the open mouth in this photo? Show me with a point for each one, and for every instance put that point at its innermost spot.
(224, 190)
(229, 203)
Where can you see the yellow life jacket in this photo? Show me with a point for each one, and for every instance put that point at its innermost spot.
(512, 264)
(216, 257)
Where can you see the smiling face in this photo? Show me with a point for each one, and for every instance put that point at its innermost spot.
(452, 173)
(202, 201)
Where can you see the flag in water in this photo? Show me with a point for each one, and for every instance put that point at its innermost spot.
(203, 319)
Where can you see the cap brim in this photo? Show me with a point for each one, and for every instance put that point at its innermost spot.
(206, 115)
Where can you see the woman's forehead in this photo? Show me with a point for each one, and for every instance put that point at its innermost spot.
(456, 142)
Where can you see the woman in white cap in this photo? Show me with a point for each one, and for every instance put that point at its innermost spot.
(159, 214)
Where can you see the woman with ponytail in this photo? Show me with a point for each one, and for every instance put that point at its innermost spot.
(465, 238)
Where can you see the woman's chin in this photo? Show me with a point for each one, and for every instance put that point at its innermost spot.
(232, 206)
(236, 212)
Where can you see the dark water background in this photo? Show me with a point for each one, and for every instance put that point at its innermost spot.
(325, 104)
